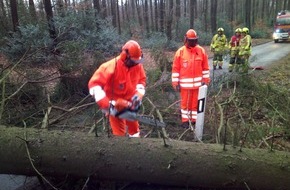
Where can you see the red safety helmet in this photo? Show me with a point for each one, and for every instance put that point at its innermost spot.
(190, 39)
(191, 35)
(132, 50)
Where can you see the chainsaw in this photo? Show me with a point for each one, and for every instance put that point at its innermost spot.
(133, 116)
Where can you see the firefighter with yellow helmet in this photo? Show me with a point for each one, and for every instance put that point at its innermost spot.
(245, 48)
(234, 48)
(218, 46)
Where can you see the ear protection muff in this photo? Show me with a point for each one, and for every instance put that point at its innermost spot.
(124, 55)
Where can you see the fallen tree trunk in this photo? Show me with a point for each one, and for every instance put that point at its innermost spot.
(60, 153)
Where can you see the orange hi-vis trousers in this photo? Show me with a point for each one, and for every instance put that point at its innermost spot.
(119, 127)
(188, 105)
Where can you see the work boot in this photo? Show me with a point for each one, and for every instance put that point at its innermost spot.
(214, 67)
(185, 125)
(220, 67)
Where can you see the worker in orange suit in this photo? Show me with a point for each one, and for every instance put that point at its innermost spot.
(120, 81)
(190, 70)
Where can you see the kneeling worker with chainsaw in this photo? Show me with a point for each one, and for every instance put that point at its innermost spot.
(119, 85)
(190, 72)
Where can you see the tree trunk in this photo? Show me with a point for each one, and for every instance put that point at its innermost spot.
(161, 14)
(169, 19)
(248, 4)
(213, 15)
(187, 164)
(192, 5)
(177, 19)
(146, 17)
(32, 10)
(14, 14)
(157, 16)
(114, 13)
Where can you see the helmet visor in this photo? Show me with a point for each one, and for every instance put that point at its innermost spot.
(191, 42)
(137, 59)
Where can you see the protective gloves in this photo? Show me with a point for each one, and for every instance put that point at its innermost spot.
(104, 103)
(122, 104)
(136, 102)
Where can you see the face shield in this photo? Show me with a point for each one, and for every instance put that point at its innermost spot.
(132, 61)
(191, 42)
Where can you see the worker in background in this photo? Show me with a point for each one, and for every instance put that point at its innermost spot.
(190, 70)
(245, 48)
(218, 46)
(234, 49)
(120, 81)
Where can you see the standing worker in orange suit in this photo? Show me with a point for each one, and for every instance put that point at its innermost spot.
(121, 80)
(190, 70)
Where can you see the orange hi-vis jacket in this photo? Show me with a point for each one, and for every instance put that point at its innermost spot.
(190, 68)
(113, 80)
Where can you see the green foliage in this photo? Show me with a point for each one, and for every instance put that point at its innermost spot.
(23, 105)
(153, 76)
(204, 38)
(222, 22)
(260, 30)
(156, 40)
(91, 32)
(74, 29)
(31, 40)
(71, 56)
(159, 44)
(82, 41)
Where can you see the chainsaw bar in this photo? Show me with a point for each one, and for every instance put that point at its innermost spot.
(130, 115)
(150, 121)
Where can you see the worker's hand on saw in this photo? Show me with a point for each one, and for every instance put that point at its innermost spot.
(136, 102)
(122, 104)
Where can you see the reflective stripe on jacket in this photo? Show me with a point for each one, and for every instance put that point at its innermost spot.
(190, 67)
(219, 42)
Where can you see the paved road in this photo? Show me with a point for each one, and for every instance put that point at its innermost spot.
(262, 55)
(12, 182)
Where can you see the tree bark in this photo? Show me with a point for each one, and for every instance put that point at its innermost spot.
(187, 164)
(169, 20)
(213, 15)
(14, 14)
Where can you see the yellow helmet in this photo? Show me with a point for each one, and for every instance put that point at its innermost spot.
(246, 30)
(220, 30)
(238, 30)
